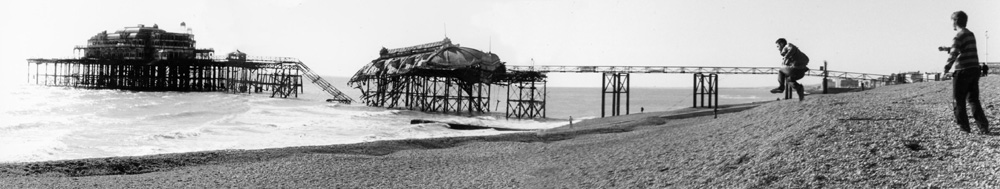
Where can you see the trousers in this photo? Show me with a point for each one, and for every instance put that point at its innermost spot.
(789, 72)
(966, 89)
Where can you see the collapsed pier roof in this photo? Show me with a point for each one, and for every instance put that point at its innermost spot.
(440, 58)
(143, 43)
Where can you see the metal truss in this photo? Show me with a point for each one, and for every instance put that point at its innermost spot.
(282, 79)
(687, 69)
(526, 99)
(426, 93)
(706, 86)
(616, 84)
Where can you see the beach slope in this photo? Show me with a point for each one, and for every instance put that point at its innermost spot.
(892, 136)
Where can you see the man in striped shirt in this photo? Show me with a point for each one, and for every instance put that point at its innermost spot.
(966, 77)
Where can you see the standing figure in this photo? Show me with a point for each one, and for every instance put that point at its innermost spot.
(793, 67)
(986, 69)
(965, 81)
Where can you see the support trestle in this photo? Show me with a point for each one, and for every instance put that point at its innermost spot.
(526, 99)
(616, 84)
(282, 80)
(706, 88)
(427, 93)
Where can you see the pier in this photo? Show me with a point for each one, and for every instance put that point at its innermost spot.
(443, 77)
(432, 77)
(616, 80)
(150, 59)
(447, 78)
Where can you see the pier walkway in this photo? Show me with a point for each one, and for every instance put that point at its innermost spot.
(615, 86)
(282, 76)
(690, 70)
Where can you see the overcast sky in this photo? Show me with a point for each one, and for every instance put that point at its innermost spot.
(338, 37)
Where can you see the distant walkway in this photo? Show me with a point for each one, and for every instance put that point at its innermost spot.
(690, 69)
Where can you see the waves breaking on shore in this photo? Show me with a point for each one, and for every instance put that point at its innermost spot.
(39, 123)
(52, 123)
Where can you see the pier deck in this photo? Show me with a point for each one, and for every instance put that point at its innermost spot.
(281, 76)
(145, 58)
(689, 70)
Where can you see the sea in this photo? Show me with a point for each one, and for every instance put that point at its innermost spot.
(42, 123)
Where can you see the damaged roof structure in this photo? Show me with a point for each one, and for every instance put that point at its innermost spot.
(448, 78)
(440, 58)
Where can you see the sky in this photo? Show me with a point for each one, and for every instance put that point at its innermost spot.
(339, 37)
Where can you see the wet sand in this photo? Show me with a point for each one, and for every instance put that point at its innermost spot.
(893, 136)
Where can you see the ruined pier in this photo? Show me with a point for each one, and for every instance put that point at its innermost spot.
(151, 59)
(447, 78)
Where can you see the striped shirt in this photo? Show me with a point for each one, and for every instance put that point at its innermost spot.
(963, 51)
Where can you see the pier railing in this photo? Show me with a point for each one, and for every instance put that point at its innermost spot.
(688, 69)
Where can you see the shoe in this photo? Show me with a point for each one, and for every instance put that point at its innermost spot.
(965, 128)
(778, 90)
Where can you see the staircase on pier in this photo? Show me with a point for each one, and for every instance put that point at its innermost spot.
(326, 86)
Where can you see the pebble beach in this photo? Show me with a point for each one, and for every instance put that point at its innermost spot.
(900, 136)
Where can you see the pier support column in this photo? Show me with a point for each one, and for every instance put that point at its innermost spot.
(449, 95)
(616, 84)
(789, 89)
(826, 74)
(706, 88)
(526, 99)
